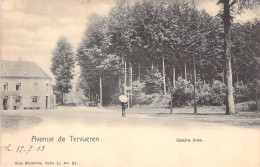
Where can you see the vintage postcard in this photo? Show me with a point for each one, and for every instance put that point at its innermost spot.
(130, 83)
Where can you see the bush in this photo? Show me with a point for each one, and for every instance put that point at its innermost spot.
(254, 90)
(148, 98)
(144, 99)
(153, 81)
(247, 106)
(218, 93)
(211, 95)
(138, 92)
(182, 92)
(204, 92)
(241, 92)
(160, 100)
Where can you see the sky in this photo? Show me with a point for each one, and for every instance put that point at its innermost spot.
(31, 28)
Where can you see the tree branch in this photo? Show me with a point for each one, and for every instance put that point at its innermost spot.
(232, 3)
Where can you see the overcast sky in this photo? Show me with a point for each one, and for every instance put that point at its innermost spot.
(31, 28)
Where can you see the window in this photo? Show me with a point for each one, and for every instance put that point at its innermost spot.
(17, 99)
(18, 86)
(35, 99)
(47, 87)
(35, 86)
(5, 86)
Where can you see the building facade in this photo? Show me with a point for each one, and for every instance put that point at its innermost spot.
(24, 85)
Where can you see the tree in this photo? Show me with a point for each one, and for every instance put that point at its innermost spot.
(63, 63)
(245, 48)
(147, 33)
(227, 5)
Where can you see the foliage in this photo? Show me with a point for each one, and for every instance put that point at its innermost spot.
(153, 81)
(227, 22)
(142, 33)
(182, 92)
(63, 63)
(137, 91)
(204, 92)
(242, 92)
(254, 89)
(218, 93)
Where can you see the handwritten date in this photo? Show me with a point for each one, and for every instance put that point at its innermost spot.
(24, 149)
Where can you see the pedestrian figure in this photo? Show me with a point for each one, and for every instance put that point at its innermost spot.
(123, 99)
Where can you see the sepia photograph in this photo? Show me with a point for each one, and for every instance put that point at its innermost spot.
(130, 83)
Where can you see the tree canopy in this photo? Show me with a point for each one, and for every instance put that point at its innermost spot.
(63, 62)
(142, 33)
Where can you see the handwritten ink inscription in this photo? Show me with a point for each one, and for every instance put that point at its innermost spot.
(23, 149)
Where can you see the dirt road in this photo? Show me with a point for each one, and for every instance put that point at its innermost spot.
(149, 139)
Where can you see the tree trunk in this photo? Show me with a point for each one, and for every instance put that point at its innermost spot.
(125, 74)
(185, 71)
(256, 103)
(194, 81)
(131, 85)
(173, 77)
(223, 77)
(101, 93)
(227, 52)
(128, 101)
(139, 72)
(62, 98)
(119, 84)
(164, 81)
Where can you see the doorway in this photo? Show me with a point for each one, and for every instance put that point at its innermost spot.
(47, 99)
(5, 103)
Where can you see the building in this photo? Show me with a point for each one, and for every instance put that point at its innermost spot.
(24, 85)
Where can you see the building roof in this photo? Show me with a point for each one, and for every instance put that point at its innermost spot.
(21, 69)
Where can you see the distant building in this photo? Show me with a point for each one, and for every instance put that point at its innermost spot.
(24, 85)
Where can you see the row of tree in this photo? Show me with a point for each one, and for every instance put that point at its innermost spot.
(168, 37)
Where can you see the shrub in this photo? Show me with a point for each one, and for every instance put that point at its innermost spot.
(141, 98)
(144, 99)
(138, 91)
(160, 100)
(211, 95)
(247, 106)
(254, 89)
(182, 92)
(153, 81)
(218, 93)
(241, 92)
(204, 92)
